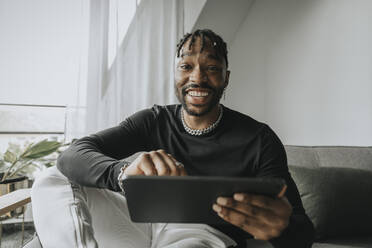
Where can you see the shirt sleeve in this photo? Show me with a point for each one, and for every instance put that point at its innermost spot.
(95, 160)
(272, 162)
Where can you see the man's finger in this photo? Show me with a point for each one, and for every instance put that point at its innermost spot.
(161, 167)
(279, 206)
(180, 167)
(183, 171)
(173, 171)
(147, 166)
(260, 214)
(247, 223)
(257, 200)
(282, 192)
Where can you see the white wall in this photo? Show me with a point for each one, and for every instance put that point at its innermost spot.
(223, 17)
(305, 68)
(192, 9)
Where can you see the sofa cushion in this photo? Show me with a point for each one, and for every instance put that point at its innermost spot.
(302, 156)
(349, 242)
(330, 156)
(345, 157)
(337, 200)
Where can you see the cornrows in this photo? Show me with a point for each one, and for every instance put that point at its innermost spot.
(216, 41)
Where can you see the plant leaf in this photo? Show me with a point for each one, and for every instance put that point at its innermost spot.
(41, 149)
(26, 149)
(10, 157)
(14, 148)
(27, 170)
(50, 164)
(3, 166)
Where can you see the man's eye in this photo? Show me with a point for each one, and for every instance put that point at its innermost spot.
(213, 68)
(185, 67)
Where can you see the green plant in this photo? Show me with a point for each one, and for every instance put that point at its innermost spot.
(17, 162)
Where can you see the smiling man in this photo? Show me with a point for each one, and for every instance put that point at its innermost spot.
(197, 137)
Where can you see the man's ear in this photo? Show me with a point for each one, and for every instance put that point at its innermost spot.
(227, 78)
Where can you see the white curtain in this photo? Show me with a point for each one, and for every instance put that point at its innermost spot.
(75, 118)
(142, 72)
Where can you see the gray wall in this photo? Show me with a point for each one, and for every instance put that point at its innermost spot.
(305, 68)
(192, 9)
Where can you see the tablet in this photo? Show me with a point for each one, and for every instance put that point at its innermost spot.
(187, 199)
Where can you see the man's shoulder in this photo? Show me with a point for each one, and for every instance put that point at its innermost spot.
(150, 117)
(155, 111)
(247, 128)
(169, 109)
(245, 121)
(165, 113)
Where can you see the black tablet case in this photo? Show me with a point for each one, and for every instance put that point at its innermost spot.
(187, 199)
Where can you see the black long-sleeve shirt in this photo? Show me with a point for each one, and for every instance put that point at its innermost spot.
(240, 146)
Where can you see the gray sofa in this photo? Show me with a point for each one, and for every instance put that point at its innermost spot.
(335, 184)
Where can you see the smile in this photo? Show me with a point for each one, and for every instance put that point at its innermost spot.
(197, 93)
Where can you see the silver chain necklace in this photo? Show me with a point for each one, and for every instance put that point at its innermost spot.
(199, 132)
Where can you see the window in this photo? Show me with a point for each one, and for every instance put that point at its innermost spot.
(43, 63)
(43, 45)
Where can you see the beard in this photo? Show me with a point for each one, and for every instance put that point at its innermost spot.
(216, 97)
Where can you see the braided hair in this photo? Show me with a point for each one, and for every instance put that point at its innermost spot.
(217, 42)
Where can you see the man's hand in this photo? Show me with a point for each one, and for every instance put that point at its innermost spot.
(263, 217)
(155, 163)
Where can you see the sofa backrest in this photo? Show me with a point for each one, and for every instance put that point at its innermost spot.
(335, 184)
(330, 156)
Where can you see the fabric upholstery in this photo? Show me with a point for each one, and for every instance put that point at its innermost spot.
(337, 200)
(345, 157)
(330, 156)
(348, 242)
(335, 183)
(302, 156)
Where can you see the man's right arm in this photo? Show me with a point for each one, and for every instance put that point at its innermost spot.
(95, 160)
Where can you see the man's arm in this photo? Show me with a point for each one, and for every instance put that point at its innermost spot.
(281, 220)
(273, 163)
(95, 160)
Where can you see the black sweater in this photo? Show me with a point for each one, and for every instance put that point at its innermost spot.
(239, 146)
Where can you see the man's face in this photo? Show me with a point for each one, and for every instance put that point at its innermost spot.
(200, 78)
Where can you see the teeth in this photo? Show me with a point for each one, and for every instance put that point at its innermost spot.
(198, 93)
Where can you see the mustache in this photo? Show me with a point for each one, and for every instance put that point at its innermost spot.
(196, 86)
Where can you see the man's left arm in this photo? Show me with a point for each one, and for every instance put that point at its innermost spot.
(282, 221)
(273, 163)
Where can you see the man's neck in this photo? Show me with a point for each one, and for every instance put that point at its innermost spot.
(201, 122)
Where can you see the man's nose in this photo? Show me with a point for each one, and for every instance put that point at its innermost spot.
(198, 75)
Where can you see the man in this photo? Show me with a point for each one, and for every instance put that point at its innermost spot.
(198, 137)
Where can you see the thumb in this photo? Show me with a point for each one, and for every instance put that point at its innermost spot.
(282, 191)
